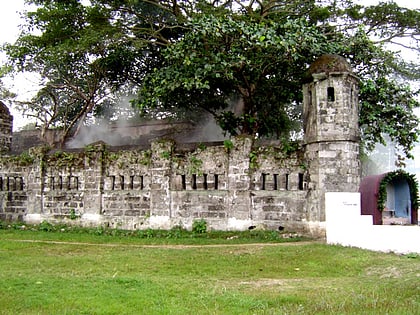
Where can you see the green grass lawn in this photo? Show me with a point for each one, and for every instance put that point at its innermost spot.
(85, 274)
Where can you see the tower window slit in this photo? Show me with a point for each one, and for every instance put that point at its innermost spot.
(68, 186)
(141, 182)
(287, 182)
(132, 182)
(263, 176)
(122, 182)
(1, 183)
(205, 181)
(184, 184)
(330, 94)
(275, 176)
(216, 181)
(300, 185)
(194, 181)
(112, 182)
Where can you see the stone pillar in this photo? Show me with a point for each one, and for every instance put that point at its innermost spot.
(331, 132)
(160, 197)
(93, 183)
(239, 179)
(35, 183)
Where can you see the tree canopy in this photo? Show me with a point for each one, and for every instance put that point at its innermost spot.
(182, 57)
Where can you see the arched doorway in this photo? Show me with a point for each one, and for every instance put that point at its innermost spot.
(391, 198)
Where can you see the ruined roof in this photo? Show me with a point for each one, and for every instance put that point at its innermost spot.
(329, 63)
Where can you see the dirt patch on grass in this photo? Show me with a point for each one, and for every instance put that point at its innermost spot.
(171, 246)
(291, 285)
(264, 283)
(393, 272)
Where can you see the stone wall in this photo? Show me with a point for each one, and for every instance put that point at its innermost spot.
(6, 125)
(230, 186)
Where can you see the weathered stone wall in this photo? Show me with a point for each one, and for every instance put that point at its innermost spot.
(231, 187)
(6, 125)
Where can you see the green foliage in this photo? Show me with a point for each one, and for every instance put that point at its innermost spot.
(228, 145)
(166, 155)
(253, 159)
(177, 232)
(63, 158)
(199, 226)
(113, 157)
(46, 226)
(290, 147)
(194, 165)
(202, 146)
(242, 61)
(90, 149)
(252, 63)
(259, 56)
(24, 159)
(387, 108)
(199, 232)
(146, 158)
(83, 53)
(413, 255)
(73, 215)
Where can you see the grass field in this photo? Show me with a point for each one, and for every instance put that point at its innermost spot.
(65, 273)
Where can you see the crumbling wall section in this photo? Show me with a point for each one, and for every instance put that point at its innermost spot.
(13, 188)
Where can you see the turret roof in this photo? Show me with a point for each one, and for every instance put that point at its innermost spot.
(330, 63)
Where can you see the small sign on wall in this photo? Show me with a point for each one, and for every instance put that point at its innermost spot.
(342, 211)
(340, 205)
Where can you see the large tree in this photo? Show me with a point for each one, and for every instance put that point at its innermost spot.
(188, 56)
(259, 51)
(84, 53)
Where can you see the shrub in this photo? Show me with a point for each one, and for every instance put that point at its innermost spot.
(199, 226)
(46, 226)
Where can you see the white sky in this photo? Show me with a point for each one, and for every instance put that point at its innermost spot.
(9, 31)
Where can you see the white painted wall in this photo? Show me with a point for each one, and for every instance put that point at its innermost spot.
(346, 226)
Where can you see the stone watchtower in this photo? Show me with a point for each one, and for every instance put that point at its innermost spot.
(331, 115)
(6, 126)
